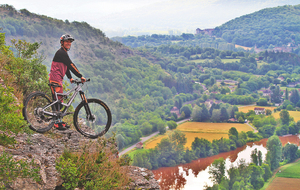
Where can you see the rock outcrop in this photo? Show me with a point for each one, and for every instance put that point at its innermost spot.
(45, 150)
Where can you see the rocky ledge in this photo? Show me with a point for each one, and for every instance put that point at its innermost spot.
(45, 150)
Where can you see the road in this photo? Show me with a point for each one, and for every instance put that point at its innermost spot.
(254, 130)
(143, 139)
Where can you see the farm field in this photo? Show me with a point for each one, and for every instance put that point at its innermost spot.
(290, 170)
(294, 114)
(209, 131)
(280, 183)
(289, 176)
(245, 109)
(244, 47)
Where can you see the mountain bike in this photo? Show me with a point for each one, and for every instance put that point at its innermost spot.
(92, 117)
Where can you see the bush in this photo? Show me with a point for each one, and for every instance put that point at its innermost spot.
(10, 170)
(12, 118)
(95, 167)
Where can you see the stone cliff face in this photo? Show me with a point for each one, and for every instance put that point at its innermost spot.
(45, 150)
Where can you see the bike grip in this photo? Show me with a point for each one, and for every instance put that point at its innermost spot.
(88, 80)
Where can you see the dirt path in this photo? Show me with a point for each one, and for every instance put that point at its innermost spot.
(255, 130)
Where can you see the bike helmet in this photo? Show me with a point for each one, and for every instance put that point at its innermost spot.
(66, 37)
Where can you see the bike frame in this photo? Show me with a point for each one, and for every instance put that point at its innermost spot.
(77, 89)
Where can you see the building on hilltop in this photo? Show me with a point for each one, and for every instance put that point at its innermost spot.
(205, 31)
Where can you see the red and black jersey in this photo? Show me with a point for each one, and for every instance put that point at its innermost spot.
(61, 66)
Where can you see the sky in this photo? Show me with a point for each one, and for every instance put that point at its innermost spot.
(121, 17)
(76, 9)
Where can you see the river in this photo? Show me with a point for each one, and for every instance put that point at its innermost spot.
(195, 175)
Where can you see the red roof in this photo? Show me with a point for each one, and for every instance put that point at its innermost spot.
(259, 108)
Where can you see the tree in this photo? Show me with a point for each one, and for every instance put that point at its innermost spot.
(120, 141)
(289, 152)
(233, 134)
(146, 128)
(274, 147)
(241, 120)
(268, 172)
(256, 179)
(234, 55)
(25, 50)
(290, 107)
(216, 115)
(295, 96)
(262, 102)
(205, 113)
(254, 157)
(224, 115)
(285, 117)
(178, 138)
(197, 113)
(188, 156)
(217, 170)
(259, 157)
(187, 111)
(172, 125)
(161, 128)
(268, 112)
(233, 110)
(275, 97)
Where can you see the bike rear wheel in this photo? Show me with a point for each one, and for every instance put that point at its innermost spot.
(95, 124)
(34, 105)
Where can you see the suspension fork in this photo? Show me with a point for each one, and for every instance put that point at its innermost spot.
(86, 106)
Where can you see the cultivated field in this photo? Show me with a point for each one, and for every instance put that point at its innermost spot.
(280, 183)
(294, 114)
(287, 176)
(209, 131)
(290, 171)
(204, 127)
(244, 47)
(245, 109)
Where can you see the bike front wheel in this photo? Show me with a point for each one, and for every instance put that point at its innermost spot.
(33, 111)
(92, 119)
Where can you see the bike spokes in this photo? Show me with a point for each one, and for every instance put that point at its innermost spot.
(34, 112)
(92, 119)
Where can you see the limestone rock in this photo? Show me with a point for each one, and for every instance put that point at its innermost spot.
(45, 150)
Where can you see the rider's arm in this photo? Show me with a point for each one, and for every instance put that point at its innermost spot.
(71, 66)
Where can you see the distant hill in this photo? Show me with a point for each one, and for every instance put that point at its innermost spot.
(22, 24)
(265, 29)
(279, 26)
(129, 81)
(183, 15)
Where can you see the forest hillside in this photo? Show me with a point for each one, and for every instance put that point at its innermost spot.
(278, 26)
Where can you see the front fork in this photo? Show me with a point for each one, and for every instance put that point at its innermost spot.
(89, 115)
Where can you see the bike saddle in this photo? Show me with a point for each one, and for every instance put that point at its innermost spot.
(54, 85)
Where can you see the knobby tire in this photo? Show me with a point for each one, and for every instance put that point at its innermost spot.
(39, 123)
(92, 128)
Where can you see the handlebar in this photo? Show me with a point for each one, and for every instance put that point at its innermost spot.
(79, 81)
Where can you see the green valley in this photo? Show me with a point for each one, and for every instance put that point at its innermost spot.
(150, 82)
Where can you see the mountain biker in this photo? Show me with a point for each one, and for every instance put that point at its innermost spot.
(61, 66)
